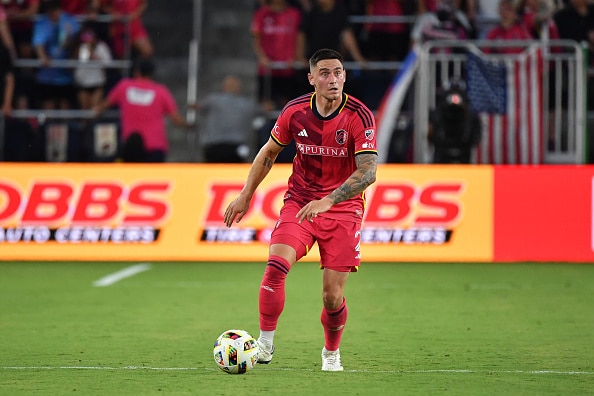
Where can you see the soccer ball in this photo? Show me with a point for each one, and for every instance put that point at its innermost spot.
(236, 351)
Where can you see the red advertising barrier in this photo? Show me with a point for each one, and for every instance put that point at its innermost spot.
(544, 213)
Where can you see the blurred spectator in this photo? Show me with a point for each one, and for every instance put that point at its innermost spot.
(128, 27)
(509, 28)
(469, 7)
(274, 29)
(537, 17)
(21, 142)
(301, 5)
(447, 22)
(576, 22)
(454, 128)
(327, 25)
(6, 81)
(80, 7)
(228, 132)
(90, 81)
(144, 106)
(424, 6)
(487, 15)
(5, 34)
(387, 40)
(20, 18)
(53, 36)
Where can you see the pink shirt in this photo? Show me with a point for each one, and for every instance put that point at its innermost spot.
(143, 106)
(385, 8)
(278, 35)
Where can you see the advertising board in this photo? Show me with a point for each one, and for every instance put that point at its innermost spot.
(175, 212)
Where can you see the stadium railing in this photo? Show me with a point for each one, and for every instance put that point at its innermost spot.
(543, 119)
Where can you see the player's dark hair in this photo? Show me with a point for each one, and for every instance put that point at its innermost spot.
(323, 54)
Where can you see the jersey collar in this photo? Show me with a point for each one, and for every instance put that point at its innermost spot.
(312, 104)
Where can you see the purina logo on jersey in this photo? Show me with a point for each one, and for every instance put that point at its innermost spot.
(341, 136)
(369, 133)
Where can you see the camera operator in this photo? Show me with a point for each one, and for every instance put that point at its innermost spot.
(454, 128)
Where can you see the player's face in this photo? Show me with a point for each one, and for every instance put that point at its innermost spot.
(328, 78)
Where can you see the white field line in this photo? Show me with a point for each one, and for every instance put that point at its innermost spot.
(127, 272)
(436, 371)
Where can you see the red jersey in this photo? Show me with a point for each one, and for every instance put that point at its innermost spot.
(125, 7)
(12, 6)
(278, 35)
(74, 7)
(529, 21)
(385, 8)
(516, 32)
(326, 150)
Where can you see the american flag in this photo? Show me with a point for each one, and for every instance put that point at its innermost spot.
(507, 92)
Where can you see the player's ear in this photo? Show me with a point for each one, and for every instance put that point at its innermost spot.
(310, 78)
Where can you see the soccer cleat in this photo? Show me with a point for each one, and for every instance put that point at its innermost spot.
(265, 352)
(331, 360)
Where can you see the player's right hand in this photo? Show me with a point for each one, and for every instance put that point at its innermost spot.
(236, 210)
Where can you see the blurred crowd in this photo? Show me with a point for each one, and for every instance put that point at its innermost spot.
(60, 37)
(286, 32)
(51, 31)
(58, 55)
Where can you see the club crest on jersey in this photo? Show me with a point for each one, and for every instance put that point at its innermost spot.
(341, 136)
(369, 134)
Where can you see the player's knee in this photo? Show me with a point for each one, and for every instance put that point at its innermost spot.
(332, 299)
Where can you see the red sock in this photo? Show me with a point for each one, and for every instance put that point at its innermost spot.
(333, 322)
(272, 292)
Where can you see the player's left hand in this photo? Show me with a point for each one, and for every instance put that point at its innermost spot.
(312, 209)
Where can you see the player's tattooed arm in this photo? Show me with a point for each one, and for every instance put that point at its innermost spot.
(362, 178)
(261, 166)
(268, 162)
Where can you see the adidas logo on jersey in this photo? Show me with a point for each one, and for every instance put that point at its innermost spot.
(303, 133)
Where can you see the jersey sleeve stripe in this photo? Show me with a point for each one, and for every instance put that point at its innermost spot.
(278, 141)
(297, 101)
(365, 114)
(366, 152)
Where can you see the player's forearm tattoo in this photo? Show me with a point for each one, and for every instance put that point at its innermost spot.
(268, 163)
(362, 178)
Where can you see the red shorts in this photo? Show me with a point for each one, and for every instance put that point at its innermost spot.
(338, 240)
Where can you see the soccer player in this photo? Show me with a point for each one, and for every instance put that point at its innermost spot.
(334, 134)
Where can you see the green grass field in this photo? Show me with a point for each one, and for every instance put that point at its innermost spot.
(460, 329)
